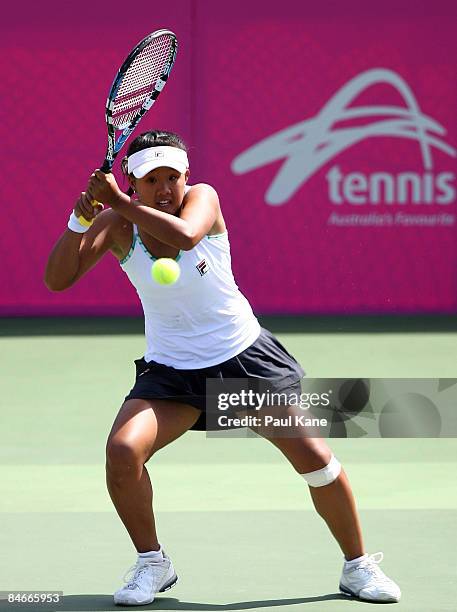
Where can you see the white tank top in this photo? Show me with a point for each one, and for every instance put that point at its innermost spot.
(201, 320)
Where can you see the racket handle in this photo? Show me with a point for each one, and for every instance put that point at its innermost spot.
(83, 220)
(106, 167)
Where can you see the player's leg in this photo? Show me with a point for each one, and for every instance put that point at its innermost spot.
(141, 428)
(333, 499)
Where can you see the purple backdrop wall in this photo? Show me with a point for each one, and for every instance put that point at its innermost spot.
(330, 135)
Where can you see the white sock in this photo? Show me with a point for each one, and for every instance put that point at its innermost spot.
(355, 561)
(155, 555)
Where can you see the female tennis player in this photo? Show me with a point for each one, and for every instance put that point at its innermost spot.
(201, 327)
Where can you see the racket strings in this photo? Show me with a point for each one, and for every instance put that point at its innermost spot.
(124, 113)
(140, 79)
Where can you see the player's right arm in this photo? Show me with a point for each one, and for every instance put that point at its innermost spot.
(74, 254)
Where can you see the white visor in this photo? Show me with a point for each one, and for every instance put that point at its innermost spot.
(155, 157)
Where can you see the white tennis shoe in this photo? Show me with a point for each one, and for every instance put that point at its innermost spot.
(368, 582)
(147, 578)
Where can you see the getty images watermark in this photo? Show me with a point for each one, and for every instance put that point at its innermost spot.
(258, 403)
(333, 408)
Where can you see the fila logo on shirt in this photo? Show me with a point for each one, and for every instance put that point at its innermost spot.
(202, 267)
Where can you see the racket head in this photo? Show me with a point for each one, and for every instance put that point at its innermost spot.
(136, 87)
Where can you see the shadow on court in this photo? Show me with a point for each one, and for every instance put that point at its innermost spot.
(93, 603)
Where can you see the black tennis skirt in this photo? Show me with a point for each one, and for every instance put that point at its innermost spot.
(265, 362)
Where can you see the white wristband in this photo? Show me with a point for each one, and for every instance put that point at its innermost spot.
(75, 226)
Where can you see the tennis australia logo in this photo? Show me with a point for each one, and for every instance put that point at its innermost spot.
(306, 146)
(202, 267)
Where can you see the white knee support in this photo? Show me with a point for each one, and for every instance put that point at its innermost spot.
(325, 476)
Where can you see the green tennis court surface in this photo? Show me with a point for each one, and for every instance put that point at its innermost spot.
(235, 518)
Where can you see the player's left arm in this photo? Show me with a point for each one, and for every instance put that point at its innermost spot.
(200, 210)
(199, 213)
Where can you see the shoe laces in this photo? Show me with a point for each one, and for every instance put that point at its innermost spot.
(370, 565)
(132, 575)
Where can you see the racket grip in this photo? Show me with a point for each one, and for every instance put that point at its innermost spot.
(106, 167)
(83, 220)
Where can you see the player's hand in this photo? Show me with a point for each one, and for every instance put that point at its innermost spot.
(104, 188)
(84, 206)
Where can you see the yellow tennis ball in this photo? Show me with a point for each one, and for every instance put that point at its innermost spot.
(165, 271)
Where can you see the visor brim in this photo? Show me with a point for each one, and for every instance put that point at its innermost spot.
(148, 166)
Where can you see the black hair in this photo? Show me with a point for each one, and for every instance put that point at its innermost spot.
(153, 138)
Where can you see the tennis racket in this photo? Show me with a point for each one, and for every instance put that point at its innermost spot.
(135, 88)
